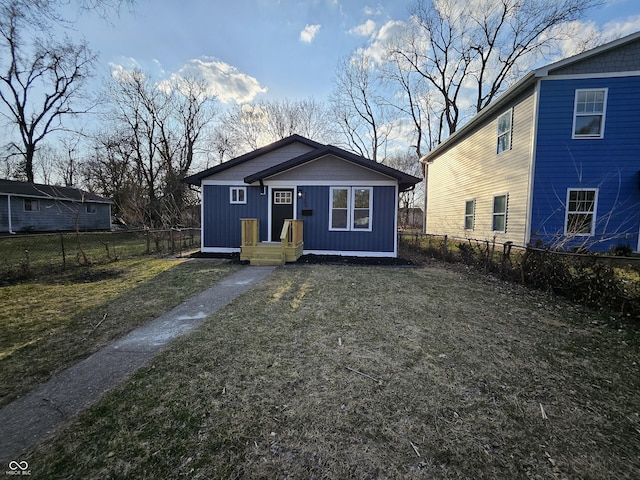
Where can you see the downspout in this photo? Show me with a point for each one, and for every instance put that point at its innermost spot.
(426, 195)
(9, 213)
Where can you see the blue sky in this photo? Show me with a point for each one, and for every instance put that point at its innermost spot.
(265, 49)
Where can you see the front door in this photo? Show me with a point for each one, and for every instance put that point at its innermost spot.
(281, 210)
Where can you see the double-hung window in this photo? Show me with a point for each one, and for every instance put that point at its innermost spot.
(581, 211)
(499, 217)
(504, 131)
(31, 205)
(469, 214)
(238, 195)
(589, 113)
(350, 208)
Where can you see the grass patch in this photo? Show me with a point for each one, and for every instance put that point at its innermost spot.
(50, 323)
(372, 372)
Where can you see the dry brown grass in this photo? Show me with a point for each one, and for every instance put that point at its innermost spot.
(53, 321)
(339, 372)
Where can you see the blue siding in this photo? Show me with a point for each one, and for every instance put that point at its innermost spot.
(610, 164)
(317, 235)
(221, 219)
(53, 216)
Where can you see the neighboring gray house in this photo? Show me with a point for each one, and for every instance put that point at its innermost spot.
(31, 207)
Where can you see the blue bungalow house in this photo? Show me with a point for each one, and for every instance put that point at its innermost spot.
(298, 196)
(34, 207)
(553, 162)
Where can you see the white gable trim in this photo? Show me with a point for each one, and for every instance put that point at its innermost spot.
(588, 76)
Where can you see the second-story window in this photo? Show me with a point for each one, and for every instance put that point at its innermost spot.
(504, 131)
(589, 113)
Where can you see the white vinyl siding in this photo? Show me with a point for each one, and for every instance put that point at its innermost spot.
(471, 169)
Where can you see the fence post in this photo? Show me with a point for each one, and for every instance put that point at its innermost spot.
(64, 256)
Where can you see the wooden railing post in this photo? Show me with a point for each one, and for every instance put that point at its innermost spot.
(250, 232)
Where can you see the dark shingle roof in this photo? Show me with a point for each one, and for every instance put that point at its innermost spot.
(197, 178)
(26, 189)
(405, 181)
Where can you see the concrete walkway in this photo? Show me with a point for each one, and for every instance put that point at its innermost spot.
(29, 420)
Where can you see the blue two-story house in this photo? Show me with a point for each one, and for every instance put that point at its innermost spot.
(553, 162)
(317, 199)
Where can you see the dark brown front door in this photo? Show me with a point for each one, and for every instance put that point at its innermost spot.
(281, 210)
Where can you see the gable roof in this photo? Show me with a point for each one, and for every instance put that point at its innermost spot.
(405, 180)
(197, 178)
(526, 82)
(52, 192)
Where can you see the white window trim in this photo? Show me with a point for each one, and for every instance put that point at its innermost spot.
(472, 215)
(509, 132)
(594, 213)
(351, 209)
(288, 197)
(238, 190)
(575, 114)
(506, 211)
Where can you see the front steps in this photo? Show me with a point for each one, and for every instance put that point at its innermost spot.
(270, 254)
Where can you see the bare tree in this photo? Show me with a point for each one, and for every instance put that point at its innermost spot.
(407, 162)
(191, 112)
(250, 126)
(482, 45)
(41, 77)
(359, 109)
(39, 83)
(112, 172)
(160, 127)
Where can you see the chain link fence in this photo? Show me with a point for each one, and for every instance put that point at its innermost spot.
(25, 256)
(595, 279)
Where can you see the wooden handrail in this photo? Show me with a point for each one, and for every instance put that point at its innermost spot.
(291, 234)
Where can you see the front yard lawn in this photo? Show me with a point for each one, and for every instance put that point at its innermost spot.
(50, 322)
(340, 372)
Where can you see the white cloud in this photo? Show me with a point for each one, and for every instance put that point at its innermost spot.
(223, 80)
(308, 33)
(364, 30)
(125, 67)
(619, 29)
(373, 11)
(389, 33)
